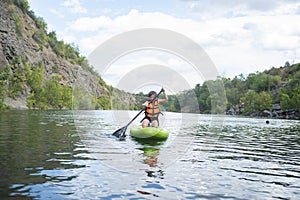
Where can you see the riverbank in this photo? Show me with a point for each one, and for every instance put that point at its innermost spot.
(276, 113)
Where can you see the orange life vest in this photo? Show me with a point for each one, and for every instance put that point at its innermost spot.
(152, 109)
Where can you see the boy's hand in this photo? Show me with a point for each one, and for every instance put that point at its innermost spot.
(146, 103)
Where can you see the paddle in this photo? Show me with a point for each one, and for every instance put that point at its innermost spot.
(120, 133)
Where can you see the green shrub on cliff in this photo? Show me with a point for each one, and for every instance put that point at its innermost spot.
(57, 96)
(34, 77)
(22, 4)
(4, 74)
(43, 94)
(19, 26)
(103, 103)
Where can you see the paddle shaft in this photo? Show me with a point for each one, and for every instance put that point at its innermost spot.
(136, 116)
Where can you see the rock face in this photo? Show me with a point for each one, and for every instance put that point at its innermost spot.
(276, 112)
(17, 40)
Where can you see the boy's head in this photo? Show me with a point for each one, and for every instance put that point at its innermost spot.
(152, 94)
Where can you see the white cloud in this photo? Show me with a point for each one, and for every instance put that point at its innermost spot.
(267, 31)
(106, 10)
(133, 20)
(275, 32)
(75, 6)
(134, 63)
(224, 8)
(91, 24)
(56, 13)
(236, 45)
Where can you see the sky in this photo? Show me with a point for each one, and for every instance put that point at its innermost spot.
(239, 36)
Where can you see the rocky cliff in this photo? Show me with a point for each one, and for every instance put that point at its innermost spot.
(25, 46)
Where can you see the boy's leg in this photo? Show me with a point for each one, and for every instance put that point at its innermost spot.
(145, 123)
(154, 123)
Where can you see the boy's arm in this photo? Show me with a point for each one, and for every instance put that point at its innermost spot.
(165, 97)
(146, 103)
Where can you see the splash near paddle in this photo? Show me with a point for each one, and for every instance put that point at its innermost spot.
(149, 133)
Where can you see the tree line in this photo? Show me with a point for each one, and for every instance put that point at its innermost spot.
(245, 94)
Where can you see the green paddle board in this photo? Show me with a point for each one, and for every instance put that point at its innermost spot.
(149, 133)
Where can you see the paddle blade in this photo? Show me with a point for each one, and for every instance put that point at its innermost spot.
(120, 132)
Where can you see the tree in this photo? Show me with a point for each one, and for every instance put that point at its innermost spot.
(287, 64)
(249, 101)
(23, 4)
(285, 102)
(4, 75)
(263, 101)
(202, 94)
(34, 78)
(103, 103)
(217, 96)
(296, 99)
(57, 95)
(41, 24)
(16, 82)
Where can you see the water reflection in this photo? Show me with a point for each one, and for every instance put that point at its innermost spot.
(54, 155)
(36, 147)
(150, 156)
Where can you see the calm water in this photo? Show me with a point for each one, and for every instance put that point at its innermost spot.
(72, 155)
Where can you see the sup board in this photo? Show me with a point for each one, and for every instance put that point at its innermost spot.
(149, 133)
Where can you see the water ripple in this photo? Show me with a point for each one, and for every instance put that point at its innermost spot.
(72, 155)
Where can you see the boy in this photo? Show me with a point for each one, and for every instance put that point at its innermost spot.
(152, 109)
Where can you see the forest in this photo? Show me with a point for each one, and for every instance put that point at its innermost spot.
(256, 94)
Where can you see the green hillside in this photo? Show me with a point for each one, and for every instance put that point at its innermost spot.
(271, 93)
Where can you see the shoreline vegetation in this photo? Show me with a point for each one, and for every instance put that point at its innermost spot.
(24, 84)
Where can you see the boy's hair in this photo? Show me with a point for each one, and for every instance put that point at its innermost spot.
(151, 93)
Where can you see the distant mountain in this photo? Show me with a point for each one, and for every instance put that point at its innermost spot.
(40, 72)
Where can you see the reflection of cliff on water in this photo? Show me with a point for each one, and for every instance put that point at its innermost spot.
(32, 143)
